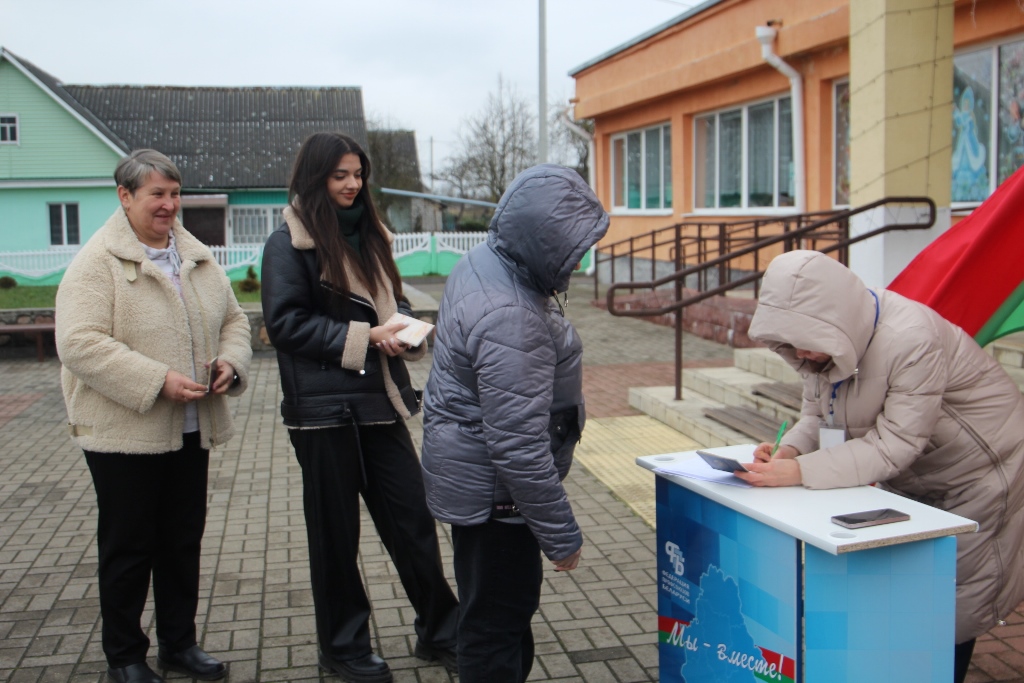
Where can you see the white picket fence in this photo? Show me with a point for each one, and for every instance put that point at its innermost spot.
(237, 256)
(37, 263)
(41, 263)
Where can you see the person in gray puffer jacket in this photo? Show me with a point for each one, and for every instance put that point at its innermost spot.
(503, 411)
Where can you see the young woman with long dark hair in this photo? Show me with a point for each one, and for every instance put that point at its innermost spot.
(329, 286)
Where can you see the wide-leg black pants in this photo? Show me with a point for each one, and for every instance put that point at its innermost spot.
(499, 571)
(332, 482)
(152, 512)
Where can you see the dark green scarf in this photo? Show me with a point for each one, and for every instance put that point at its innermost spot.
(348, 219)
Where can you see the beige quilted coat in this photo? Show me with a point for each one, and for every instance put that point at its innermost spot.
(929, 413)
(121, 325)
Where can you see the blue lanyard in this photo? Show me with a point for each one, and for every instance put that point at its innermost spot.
(831, 418)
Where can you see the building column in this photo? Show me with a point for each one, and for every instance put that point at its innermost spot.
(901, 93)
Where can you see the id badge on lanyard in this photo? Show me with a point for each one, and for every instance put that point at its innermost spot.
(831, 433)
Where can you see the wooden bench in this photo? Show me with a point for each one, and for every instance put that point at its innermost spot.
(36, 330)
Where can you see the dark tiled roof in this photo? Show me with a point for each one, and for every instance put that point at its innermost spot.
(58, 89)
(224, 138)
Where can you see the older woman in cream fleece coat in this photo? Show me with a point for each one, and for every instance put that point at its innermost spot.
(121, 326)
(927, 412)
(142, 313)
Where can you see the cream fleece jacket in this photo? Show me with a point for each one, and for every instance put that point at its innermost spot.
(121, 325)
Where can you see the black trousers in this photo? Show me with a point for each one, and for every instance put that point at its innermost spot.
(332, 482)
(152, 512)
(962, 654)
(499, 573)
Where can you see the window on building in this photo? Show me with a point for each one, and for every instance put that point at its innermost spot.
(841, 113)
(253, 224)
(63, 224)
(988, 119)
(8, 129)
(743, 157)
(642, 169)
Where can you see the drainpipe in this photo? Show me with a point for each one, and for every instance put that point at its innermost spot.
(583, 134)
(766, 36)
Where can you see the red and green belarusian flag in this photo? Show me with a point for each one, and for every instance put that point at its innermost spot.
(973, 275)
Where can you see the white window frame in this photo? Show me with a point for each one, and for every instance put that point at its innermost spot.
(643, 211)
(992, 47)
(743, 209)
(64, 224)
(16, 128)
(270, 212)
(835, 130)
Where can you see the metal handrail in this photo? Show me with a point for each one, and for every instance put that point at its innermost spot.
(790, 238)
(722, 232)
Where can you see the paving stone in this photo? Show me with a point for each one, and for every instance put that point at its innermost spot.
(595, 624)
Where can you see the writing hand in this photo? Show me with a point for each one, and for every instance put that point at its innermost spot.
(763, 452)
(778, 472)
(785, 453)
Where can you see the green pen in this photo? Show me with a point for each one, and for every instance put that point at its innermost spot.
(778, 437)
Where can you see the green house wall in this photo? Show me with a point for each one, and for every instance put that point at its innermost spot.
(263, 197)
(25, 214)
(52, 143)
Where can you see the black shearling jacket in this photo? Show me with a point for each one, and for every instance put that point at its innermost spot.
(329, 375)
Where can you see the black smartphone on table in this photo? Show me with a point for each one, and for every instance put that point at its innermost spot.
(721, 463)
(858, 520)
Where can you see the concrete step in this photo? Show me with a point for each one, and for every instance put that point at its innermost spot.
(733, 387)
(765, 363)
(686, 416)
(1017, 375)
(1009, 350)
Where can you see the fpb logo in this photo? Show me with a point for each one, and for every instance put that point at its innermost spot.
(675, 556)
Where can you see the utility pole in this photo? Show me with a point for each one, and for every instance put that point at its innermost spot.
(542, 134)
(431, 163)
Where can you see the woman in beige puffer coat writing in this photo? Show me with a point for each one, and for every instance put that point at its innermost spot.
(925, 411)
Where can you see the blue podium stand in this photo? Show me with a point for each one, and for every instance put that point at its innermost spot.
(760, 585)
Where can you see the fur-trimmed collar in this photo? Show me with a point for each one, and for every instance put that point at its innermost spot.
(121, 241)
(302, 240)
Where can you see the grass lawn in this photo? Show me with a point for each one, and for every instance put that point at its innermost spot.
(28, 297)
(43, 297)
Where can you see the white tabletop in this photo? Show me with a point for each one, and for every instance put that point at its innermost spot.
(806, 514)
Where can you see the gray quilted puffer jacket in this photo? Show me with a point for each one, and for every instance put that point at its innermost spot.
(503, 408)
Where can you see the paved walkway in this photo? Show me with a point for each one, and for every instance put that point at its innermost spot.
(595, 624)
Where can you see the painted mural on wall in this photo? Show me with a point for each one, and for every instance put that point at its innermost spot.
(1011, 109)
(972, 95)
(842, 143)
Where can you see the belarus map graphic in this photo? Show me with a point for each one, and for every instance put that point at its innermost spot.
(717, 645)
(726, 593)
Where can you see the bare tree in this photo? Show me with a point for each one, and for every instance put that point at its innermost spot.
(495, 145)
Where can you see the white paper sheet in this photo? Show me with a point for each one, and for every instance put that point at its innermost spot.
(695, 468)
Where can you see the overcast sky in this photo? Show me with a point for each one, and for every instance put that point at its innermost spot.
(422, 64)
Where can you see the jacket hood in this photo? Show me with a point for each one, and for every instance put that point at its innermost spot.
(810, 301)
(545, 222)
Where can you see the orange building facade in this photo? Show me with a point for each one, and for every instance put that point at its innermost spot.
(691, 121)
